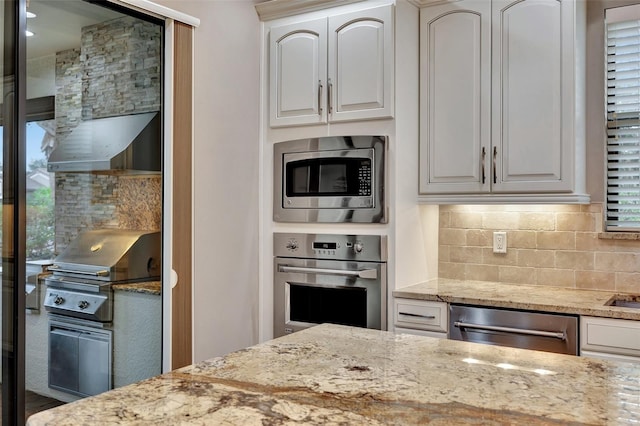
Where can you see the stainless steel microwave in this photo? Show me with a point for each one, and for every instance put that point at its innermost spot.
(330, 179)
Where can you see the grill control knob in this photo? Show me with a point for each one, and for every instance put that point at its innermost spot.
(83, 304)
(58, 300)
(292, 244)
(358, 247)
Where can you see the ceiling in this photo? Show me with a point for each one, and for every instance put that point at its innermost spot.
(57, 24)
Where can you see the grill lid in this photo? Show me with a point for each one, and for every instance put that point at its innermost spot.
(111, 255)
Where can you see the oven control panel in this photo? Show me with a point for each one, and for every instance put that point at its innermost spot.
(331, 246)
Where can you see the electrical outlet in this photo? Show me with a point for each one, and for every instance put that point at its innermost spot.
(499, 242)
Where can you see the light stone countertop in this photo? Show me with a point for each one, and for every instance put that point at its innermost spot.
(147, 287)
(332, 374)
(516, 296)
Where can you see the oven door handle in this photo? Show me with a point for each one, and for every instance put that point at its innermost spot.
(367, 274)
(554, 334)
(102, 273)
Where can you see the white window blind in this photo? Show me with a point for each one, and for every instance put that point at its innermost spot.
(623, 126)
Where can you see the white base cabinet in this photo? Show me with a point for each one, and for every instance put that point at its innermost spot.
(421, 317)
(608, 338)
(502, 101)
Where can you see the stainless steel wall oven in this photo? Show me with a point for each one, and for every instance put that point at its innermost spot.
(340, 279)
(330, 179)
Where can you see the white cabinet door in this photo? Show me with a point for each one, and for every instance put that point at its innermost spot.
(361, 65)
(455, 97)
(297, 73)
(533, 152)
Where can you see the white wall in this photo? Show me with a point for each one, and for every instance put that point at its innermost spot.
(226, 163)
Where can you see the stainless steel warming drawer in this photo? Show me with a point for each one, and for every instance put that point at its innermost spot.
(541, 331)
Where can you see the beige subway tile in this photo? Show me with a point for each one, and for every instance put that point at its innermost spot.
(585, 222)
(628, 282)
(521, 239)
(629, 246)
(556, 240)
(453, 237)
(444, 218)
(515, 274)
(500, 220)
(451, 270)
(617, 262)
(536, 258)
(595, 280)
(481, 272)
(479, 237)
(491, 258)
(443, 253)
(465, 254)
(583, 260)
(591, 208)
(537, 221)
(589, 241)
(556, 277)
(467, 220)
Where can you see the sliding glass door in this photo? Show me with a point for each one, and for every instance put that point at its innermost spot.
(65, 64)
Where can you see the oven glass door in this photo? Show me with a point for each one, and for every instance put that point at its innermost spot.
(313, 304)
(310, 292)
(329, 179)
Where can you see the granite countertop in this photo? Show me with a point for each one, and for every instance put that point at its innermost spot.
(331, 374)
(528, 297)
(148, 287)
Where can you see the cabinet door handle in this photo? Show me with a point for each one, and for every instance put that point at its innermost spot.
(330, 96)
(319, 97)
(484, 155)
(495, 172)
(409, 314)
(540, 333)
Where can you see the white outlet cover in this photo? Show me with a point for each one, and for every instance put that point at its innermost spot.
(499, 242)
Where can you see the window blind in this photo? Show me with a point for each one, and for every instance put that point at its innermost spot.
(623, 126)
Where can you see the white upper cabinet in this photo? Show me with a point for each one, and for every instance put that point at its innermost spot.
(339, 68)
(298, 70)
(502, 101)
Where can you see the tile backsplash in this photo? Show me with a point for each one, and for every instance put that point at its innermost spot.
(559, 245)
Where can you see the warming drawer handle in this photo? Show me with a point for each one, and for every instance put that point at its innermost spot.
(557, 335)
(368, 274)
(409, 314)
(102, 273)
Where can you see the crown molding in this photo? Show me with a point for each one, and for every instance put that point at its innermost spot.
(425, 3)
(275, 9)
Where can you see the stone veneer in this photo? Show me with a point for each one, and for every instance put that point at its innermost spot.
(559, 246)
(116, 71)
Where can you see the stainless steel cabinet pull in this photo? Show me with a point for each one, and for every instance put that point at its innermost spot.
(557, 335)
(495, 172)
(319, 97)
(369, 274)
(330, 96)
(484, 155)
(409, 314)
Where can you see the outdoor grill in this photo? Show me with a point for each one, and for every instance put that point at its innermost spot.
(84, 272)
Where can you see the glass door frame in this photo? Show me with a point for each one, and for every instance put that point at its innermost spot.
(14, 212)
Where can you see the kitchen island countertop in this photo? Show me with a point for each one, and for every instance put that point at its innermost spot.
(344, 375)
(517, 296)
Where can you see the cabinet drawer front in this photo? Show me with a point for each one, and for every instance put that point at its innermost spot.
(610, 336)
(419, 314)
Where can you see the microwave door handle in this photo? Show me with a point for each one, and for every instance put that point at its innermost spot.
(368, 274)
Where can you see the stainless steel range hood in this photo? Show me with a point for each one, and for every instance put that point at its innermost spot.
(123, 143)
